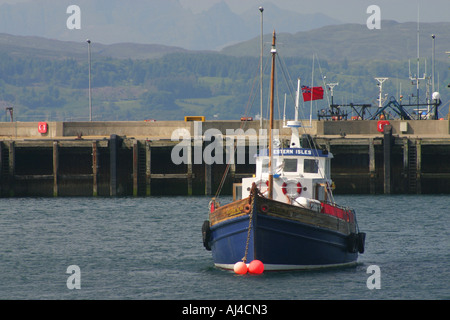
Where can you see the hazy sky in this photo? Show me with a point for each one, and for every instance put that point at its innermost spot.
(343, 10)
(346, 10)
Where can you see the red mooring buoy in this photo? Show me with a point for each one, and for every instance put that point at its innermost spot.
(256, 267)
(240, 267)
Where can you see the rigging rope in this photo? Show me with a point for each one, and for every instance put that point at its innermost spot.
(250, 103)
(242, 126)
(311, 141)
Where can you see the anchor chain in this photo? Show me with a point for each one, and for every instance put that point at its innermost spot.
(252, 196)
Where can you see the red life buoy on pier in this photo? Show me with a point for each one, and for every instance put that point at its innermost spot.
(42, 127)
(381, 124)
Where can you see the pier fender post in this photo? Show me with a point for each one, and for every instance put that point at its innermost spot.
(387, 157)
(55, 168)
(114, 144)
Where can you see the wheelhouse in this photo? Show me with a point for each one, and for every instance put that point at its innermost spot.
(297, 172)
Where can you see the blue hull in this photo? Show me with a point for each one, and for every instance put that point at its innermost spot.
(280, 243)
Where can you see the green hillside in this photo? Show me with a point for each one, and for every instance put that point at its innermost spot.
(394, 41)
(48, 80)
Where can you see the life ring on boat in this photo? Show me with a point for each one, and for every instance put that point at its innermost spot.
(247, 208)
(264, 208)
(284, 187)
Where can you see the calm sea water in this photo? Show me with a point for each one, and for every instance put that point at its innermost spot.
(151, 248)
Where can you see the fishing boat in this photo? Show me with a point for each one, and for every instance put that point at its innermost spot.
(286, 217)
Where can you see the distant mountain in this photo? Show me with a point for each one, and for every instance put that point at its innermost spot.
(30, 46)
(394, 41)
(350, 42)
(164, 22)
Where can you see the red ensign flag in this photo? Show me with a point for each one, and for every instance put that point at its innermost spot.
(314, 93)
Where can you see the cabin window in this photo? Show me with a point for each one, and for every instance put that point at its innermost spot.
(310, 166)
(290, 165)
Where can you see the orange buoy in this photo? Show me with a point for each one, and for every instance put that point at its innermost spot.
(240, 267)
(256, 267)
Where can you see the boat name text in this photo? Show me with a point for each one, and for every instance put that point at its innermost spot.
(294, 152)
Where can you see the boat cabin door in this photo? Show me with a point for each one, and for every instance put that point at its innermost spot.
(321, 192)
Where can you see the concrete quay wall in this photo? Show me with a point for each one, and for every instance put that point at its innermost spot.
(165, 129)
(399, 127)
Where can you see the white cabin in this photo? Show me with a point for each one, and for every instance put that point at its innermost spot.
(300, 176)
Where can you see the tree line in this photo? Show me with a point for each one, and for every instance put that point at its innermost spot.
(59, 84)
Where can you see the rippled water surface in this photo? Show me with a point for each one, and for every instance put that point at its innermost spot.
(151, 248)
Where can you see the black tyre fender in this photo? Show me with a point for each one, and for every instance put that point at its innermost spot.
(352, 242)
(361, 242)
(206, 234)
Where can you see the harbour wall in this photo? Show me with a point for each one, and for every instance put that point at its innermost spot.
(164, 129)
(135, 158)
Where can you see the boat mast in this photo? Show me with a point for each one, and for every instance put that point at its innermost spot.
(261, 9)
(273, 51)
(297, 99)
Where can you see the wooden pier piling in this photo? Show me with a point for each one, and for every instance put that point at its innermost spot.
(94, 169)
(148, 169)
(113, 150)
(372, 166)
(118, 165)
(55, 168)
(387, 144)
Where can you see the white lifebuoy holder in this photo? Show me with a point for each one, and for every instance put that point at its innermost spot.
(291, 184)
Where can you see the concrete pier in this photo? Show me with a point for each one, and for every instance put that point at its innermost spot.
(134, 158)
